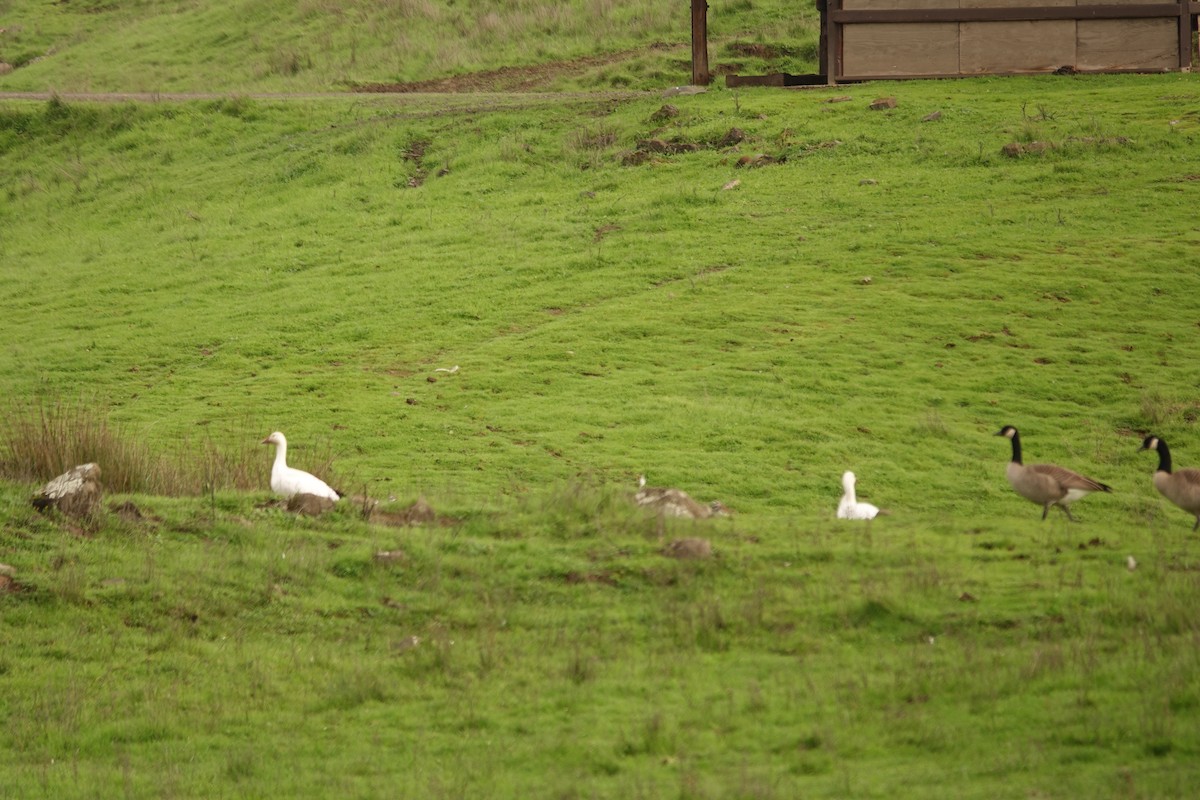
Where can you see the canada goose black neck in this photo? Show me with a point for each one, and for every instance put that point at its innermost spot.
(1164, 454)
(1011, 433)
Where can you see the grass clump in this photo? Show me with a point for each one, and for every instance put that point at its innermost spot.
(42, 439)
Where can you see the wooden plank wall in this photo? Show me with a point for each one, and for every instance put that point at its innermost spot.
(910, 49)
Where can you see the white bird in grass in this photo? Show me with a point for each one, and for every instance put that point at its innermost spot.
(290, 482)
(849, 507)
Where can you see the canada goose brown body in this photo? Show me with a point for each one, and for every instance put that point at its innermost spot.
(1046, 484)
(1181, 487)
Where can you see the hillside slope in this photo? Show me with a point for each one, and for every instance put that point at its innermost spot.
(749, 297)
(254, 46)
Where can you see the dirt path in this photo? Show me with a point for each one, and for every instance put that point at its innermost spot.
(513, 79)
(528, 81)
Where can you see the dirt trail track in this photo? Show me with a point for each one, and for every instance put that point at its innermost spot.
(528, 82)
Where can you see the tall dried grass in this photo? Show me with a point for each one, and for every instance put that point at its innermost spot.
(42, 439)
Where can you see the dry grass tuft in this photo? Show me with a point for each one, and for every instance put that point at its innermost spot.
(41, 439)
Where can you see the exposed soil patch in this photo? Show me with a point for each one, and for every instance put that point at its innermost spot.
(603, 577)
(512, 79)
(648, 150)
(130, 513)
(419, 513)
(768, 52)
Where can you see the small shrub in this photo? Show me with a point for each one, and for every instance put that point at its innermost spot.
(289, 63)
(591, 139)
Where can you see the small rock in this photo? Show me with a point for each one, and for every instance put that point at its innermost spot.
(882, 103)
(934, 117)
(841, 98)
(868, 182)
(731, 185)
(1131, 563)
(688, 549)
(5, 68)
(865, 280)
(966, 597)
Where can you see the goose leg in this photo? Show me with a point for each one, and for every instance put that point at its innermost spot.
(1197, 525)
(1045, 510)
(1067, 511)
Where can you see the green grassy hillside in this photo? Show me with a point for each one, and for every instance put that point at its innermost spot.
(217, 267)
(742, 295)
(322, 45)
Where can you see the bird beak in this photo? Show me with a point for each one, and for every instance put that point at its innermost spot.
(998, 433)
(266, 440)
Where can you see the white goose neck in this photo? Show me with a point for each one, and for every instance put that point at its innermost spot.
(281, 452)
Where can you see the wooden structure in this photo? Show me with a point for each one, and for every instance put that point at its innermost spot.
(700, 73)
(869, 39)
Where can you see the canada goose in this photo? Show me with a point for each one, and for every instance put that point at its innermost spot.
(1181, 487)
(1046, 484)
(289, 482)
(849, 507)
(675, 502)
(75, 493)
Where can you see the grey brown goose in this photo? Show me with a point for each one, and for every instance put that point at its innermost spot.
(1046, 484)
(675, 502)
(1181, 487)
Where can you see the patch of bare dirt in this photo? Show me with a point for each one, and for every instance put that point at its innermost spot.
(511, 79)
(768, 52)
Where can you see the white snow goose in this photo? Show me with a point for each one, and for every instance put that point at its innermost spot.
(849, 507)
(290, 482)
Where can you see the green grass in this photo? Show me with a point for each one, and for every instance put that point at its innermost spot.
(320, 45)
(235, 650)
(241, 264)
(215, 270)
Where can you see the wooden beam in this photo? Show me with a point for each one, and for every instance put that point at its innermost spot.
(834, 66)
(700, 73)
(1004, 14)
(1186, 23)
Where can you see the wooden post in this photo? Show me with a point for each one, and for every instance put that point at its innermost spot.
(700, 74)
(1186, 23)
(833, 42)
